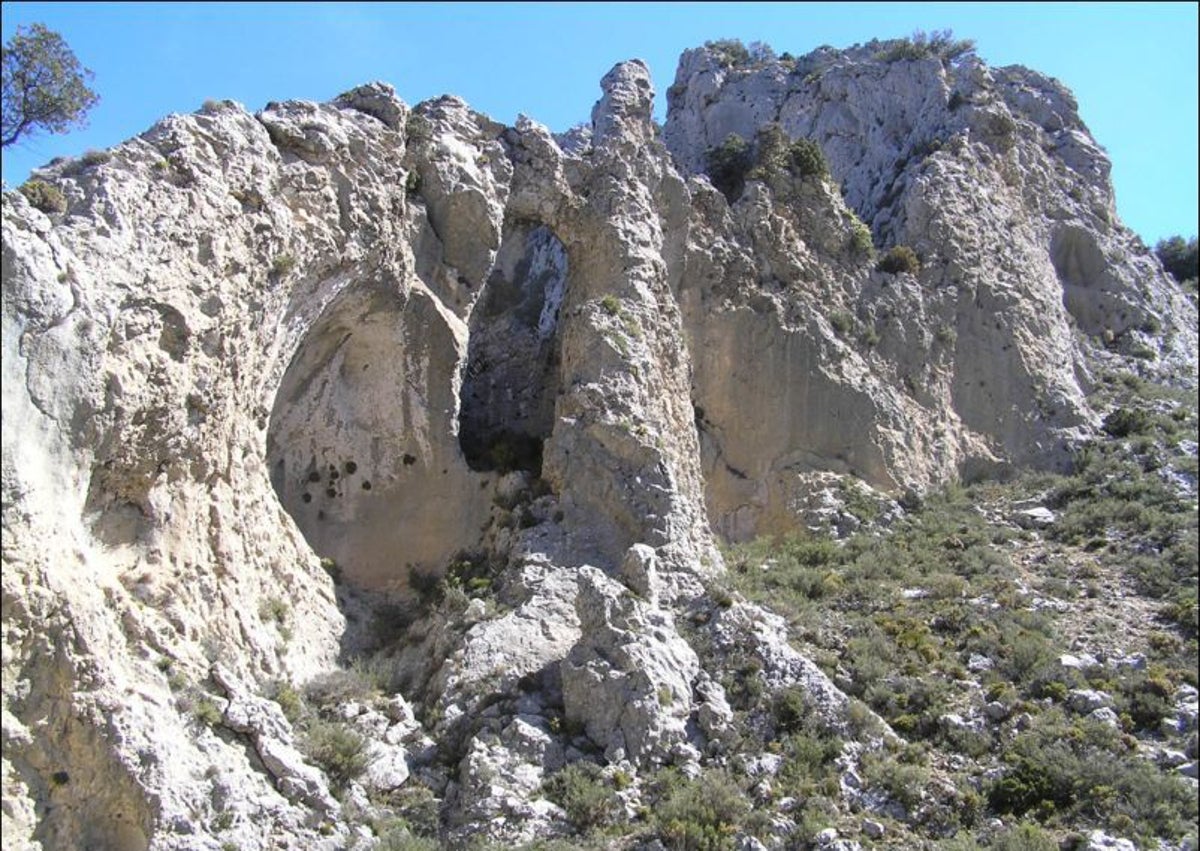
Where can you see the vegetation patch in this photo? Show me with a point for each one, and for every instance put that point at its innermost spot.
(902, 617)
(770, 158)
(283, 264)
(583, 792)
(47, 198)
(727, 165)
(337, 748)
(732, 53)
(862, 243)
(899, 259)
(1181, 258)
(702, 814)
(921, 45)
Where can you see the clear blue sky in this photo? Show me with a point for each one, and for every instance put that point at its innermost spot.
(1133, 68)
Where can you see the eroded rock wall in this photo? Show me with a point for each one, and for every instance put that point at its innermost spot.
(185, 347)
(366, 341)
(982, 359)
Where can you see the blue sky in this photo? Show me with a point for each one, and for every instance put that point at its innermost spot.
(1133, 68)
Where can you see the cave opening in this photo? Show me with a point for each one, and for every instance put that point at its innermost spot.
(362, 446)
(511, 374)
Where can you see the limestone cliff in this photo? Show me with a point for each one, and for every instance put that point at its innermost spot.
(262, 368)
(983, 358)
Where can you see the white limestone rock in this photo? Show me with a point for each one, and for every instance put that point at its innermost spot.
(259, 353)
(629, 678)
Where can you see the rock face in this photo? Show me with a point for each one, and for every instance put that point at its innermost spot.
(981, 359)
(629, 678)
(380, 340)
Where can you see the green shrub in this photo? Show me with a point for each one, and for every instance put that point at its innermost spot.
(858, 500)
(945, 335)
(861, 242)
(418, 128)
(1024, 836)
(1027, 652)
(842, 322)
(274, 609)
(1145, 697)
(283, 264)
(581, 790)
(810, 759)
(727, 165)
(903, 49)
(770, 153)
(743, 683)
(807, 159)
(900, 258)
(206, 711)
(47, 198)
(611, 304)
(701, 814)
(761, 52)
(774, 155)
(731, 53)
(939, 43)
(472, 572)
(791, 709)
(331, 567)
(1184, 611)
(396, 836)
(340, 686)
(416, 806)
(1126, 421)
(337, 748)
(911, 703)
(91, 158)
(806, 551)
(1180, 257)
(412, 182)
(288, 698)
(902, 782)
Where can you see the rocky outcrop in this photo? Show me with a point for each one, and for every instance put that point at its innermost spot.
(980, 360)
(259, 355)
(628, 680)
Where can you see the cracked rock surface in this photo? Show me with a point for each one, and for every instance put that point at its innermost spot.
(269, 369)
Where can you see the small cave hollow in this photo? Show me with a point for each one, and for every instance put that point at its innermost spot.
(511, 375)
(366, 461)
(1081, 269)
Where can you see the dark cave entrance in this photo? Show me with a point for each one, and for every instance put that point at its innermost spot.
(511, 376)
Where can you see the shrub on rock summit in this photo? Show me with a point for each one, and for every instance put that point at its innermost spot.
(901, 258)
(47, 198)
(807, 159)
(727, 165)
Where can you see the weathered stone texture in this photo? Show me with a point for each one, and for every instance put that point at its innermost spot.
(393, 338)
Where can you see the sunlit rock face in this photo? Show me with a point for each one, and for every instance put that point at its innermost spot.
(411, 349)
(982, 359)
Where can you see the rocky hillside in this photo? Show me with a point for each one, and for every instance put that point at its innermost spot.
(378, 476)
